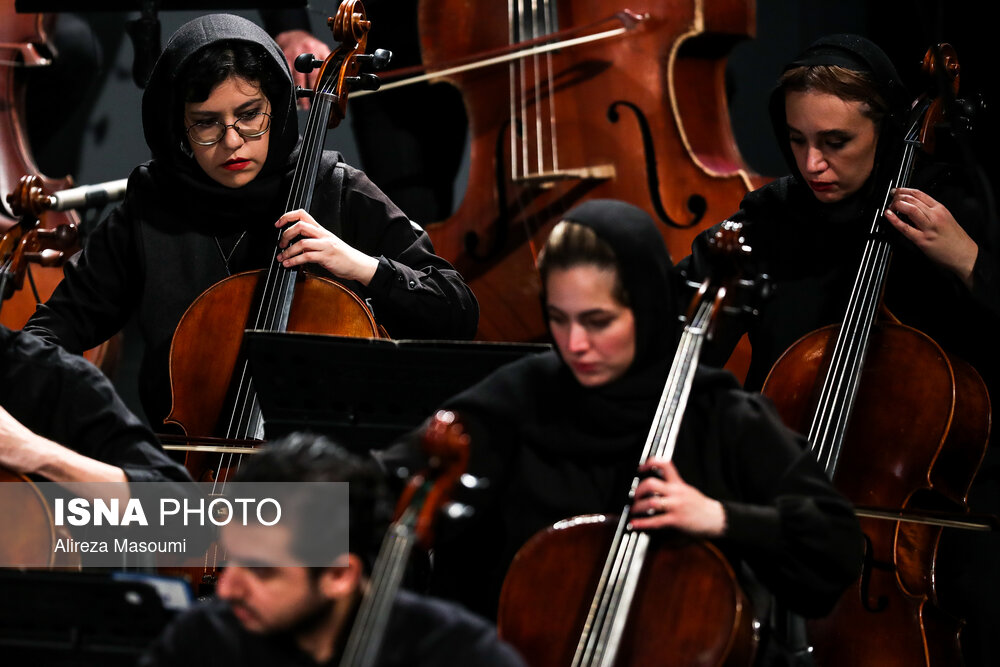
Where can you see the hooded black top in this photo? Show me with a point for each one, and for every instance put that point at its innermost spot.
(551, 449)
(811, 250)
(164, 244)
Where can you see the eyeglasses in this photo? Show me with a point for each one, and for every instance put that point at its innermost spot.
(208, 132)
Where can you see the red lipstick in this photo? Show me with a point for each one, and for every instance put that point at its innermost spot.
(236, 164)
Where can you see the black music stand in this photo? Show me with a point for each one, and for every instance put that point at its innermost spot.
(79, 619)
(364, 392)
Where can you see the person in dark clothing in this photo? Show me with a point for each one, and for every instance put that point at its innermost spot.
(838, 112)
(219, 117)
(560, 434)
(286, 615)
(61, 420)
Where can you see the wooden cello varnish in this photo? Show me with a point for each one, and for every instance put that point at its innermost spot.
(589, 592)
(898, 424)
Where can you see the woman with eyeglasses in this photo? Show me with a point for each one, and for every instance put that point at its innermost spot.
(219, 117)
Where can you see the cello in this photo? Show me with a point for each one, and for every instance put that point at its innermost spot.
(632, 597)
(24, 44)
(901, 426)
(447, 448)
(214, 398)
(272, 299)
(568, 101)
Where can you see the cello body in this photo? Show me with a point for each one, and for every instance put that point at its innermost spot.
(899, 425)
(551, 581)
(915, 441)
(600, 590)
(200, 374)
(641, 117)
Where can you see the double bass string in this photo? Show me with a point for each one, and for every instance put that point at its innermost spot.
(532, 104)
(532, 23)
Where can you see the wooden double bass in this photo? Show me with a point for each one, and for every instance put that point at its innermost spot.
(569, 100)
(901, 427)
(589, 591)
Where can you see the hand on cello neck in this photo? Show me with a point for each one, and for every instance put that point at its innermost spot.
(305, 241)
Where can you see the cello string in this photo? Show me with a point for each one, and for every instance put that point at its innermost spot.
(876, 280)
(599, 608)
(604, 626)
(246, 419)
(839, 390)
(520, 133)
(820, 433)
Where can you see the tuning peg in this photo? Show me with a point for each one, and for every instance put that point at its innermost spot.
(458, 511)
(46, 257)
(62, 237)
(304, 92)
(375, 61)
(307, 62)
(364, 82)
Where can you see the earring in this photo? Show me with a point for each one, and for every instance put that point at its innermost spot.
(186, 149)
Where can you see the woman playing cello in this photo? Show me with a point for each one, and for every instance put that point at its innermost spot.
(838, 112)
(219, 117)
(559, 434)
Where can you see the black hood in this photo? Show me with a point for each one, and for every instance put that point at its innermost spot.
(855, 53)
(644, 267)
(172, 167)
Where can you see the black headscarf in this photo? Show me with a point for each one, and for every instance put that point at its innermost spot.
(551, 447)
(644, 267)
(615, 416)
(858, 54)
(173, 169)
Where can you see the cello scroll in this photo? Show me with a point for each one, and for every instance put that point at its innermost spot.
(447, 447)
